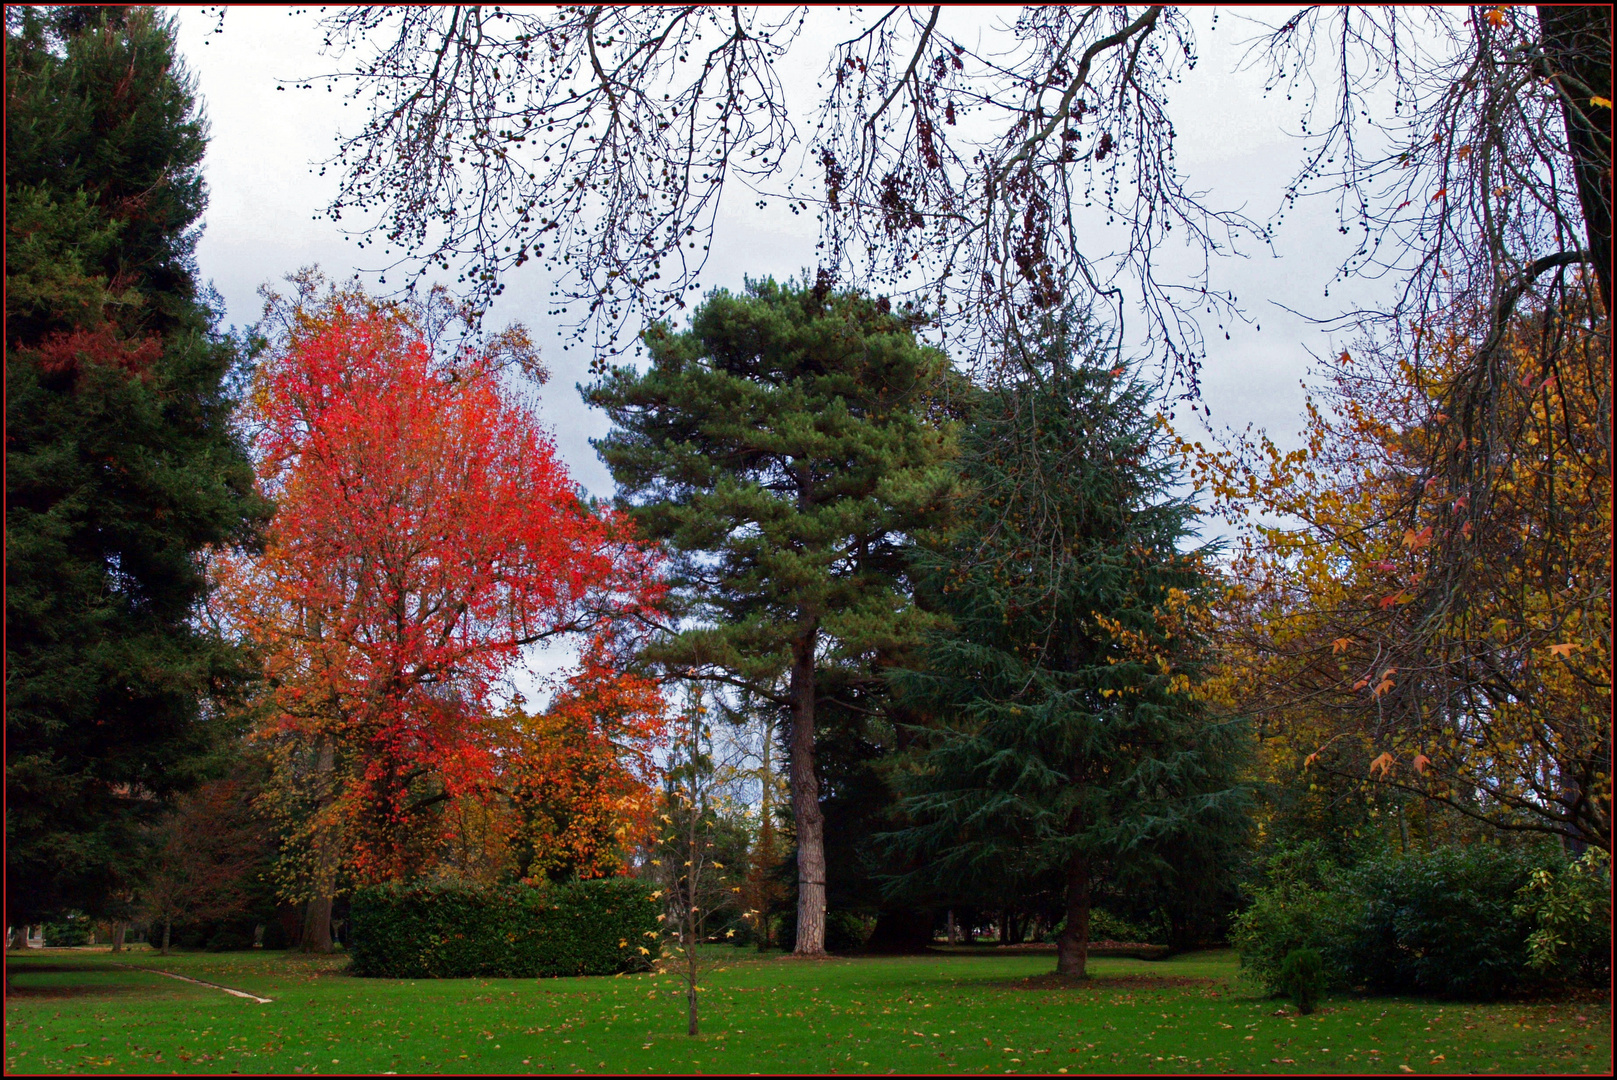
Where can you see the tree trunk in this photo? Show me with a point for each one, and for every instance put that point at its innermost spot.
(323, 873)
(806, 798)
(1577, 41)
(167, 924)
(118, 931)
(1072, 948)
(317, 925)
(950, 930)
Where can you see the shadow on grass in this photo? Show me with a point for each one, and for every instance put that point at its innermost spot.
(22, 984)
(1052, 981)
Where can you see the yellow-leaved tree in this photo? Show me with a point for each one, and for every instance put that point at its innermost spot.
(1422, 590)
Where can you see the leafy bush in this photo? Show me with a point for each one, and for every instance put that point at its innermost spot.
(1440, 922)
(1571, 910)
(1300, 907)
(71, 932)
(1302, 974)
(458, 930)
(844, 931)
(1104, 926)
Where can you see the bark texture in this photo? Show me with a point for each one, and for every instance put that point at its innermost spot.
(806, 801)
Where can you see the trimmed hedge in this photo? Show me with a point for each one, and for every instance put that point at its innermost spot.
(456, 930)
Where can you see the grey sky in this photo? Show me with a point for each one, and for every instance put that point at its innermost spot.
(265, 195)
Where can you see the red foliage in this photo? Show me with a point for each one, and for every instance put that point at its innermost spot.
(425, 533)
(64, 353)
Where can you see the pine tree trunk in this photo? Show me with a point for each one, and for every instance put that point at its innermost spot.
(806, 800)
(1072, 948)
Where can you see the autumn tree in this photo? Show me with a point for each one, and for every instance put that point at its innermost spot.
(1070, 736)
(121, 463)
(1385, 630)
(581, 776)
(689, 849)
(946, 165)
(426, 534)
(785, 448)
(207, 851)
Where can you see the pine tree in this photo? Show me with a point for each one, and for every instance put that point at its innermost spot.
(1069, 737)
(121, 464)
(785, 447)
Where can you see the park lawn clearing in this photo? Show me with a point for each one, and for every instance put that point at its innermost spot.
(73, 1011)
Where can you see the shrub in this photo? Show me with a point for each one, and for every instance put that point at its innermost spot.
(1570, 908)
(229, 940)
(844, 931)
(73, 931)
(274, 935)
(1302, 975)
(1285, 918)
(458, 930)
(1440, 922)
(1104, 926)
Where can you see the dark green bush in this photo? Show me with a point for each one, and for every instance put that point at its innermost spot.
(229, 940)
(1300, 906)
(844, 931)
(274, 935)
(1302, 975)
(71, 932)
(455, 930)
(1441, 922)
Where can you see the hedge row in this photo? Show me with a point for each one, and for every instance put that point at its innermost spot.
(447, 931)
(1473, 922)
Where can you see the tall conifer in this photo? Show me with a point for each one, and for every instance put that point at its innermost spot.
(786, 448)
(1067, 733)
(121, 465)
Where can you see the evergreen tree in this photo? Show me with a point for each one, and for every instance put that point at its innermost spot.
(785, 447)
(1068, 736)
(121, 464)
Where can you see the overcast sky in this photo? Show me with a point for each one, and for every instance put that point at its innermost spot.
(266, 193)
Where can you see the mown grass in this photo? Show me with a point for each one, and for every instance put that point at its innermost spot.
(74, 1011)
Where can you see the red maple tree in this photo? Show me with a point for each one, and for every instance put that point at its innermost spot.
(425, 534)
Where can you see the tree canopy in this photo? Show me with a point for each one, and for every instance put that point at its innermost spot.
(1067, 732)
(785, 448)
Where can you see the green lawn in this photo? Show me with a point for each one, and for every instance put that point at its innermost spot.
(73, 1011)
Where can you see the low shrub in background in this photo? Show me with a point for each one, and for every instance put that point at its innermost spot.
(1477, 921)
(229, 940)
(1570, 909)
(71, 932)
(1441, 922)
(1300, 906)
(445, 930)
(1302, 974)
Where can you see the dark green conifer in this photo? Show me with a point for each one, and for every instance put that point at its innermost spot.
(121, 463)
(785, 447)
(1067, 735)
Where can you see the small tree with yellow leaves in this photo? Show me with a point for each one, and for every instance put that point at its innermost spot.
(695, 884)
